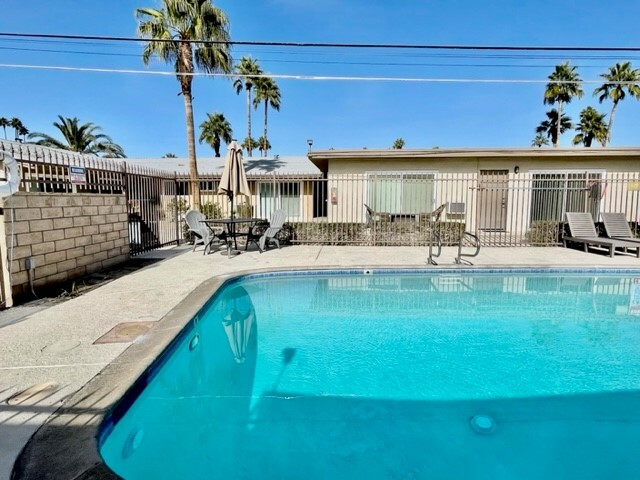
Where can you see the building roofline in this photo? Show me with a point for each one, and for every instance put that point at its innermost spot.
(472, 152)
(321, 157)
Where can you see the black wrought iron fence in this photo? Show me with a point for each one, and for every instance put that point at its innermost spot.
(151, 194)
(501, 207)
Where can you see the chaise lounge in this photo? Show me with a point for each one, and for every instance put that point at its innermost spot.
(582, 230)
(617, 227)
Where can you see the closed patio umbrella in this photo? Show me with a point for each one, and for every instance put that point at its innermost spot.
(234, 178)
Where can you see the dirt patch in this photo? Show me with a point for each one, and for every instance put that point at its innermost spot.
(60, 292)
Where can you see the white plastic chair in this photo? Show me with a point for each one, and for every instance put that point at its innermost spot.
(275, 225)
(200, 230)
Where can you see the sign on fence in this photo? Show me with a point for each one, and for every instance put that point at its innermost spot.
(78, 175)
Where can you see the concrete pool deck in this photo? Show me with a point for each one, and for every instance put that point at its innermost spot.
(53, 349)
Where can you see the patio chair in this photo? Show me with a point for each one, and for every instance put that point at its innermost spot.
(435, 215)
(201, 231)
(584, 231)
(275, 225)
(255, 233)
(617, 227)
(373, 216)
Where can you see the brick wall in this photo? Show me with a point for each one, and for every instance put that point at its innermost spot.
(68, 236)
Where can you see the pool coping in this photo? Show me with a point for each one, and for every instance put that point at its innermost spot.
(66, 446)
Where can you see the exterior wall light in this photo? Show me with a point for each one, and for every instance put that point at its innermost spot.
(516, 169)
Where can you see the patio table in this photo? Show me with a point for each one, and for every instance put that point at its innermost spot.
(232, 234)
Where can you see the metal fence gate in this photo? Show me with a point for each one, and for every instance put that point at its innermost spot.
(153, 209)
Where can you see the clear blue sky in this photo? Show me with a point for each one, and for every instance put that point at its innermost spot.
(145, 115)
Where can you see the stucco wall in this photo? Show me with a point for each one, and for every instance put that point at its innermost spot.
(67, 235)
(475, 164)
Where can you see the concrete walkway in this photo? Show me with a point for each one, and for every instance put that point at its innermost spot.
(53, 349)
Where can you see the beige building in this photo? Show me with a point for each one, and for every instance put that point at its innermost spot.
(491, 190)
(277, 182)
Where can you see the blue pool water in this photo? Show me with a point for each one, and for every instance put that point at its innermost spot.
(403, 376)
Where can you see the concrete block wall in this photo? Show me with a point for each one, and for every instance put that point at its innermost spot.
(67, 235)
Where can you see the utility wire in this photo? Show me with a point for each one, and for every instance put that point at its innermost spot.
(510, 56)
(327, 45)
(297, 77)
(311, 62)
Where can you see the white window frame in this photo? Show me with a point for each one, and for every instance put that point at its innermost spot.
(568, 171)
(370, 174)
(277, 199)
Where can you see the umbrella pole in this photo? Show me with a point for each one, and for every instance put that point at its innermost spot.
(232, 227)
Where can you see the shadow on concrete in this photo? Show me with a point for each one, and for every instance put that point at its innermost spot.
(26, 305)
(65, 446)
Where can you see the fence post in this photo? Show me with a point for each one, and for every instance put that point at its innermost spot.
(176, 213)
(125, 189)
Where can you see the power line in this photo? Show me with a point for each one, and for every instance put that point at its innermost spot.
(510, 56)
(310, 62)
(329, 45)
(299, 77)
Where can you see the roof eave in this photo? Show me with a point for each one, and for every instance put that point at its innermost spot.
(321, 157)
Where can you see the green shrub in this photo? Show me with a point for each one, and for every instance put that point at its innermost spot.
(182, 203)
(544, 232)
(244, 210)
(380, 233)
(211, 210)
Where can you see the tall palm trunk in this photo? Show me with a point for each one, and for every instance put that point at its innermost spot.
(191, 141)
(608, 137)
(555, 144)
(264, 140)
(185, 65)
(249, 146)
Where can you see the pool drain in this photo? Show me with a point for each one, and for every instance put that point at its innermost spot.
(483, 424)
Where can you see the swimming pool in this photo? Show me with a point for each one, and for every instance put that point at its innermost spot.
(448, 374)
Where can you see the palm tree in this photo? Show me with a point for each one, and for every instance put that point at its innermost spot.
(79, 138)
(539, 140)
(551, 128)
(214, 128)
(264, 146)
(22, 131)
(267, 91)
(398, 144)
(250, 144)
(620, 77)
(249, 69)
(591, 127)
(4, 123)
(563, 86)
(173, 32)
(18, 128)
(169, 155)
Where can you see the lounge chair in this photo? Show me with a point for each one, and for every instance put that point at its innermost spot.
(275, 225)
(584, 231)
(373, 216)
(201, 231)
(435, 215)
(617, 227)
